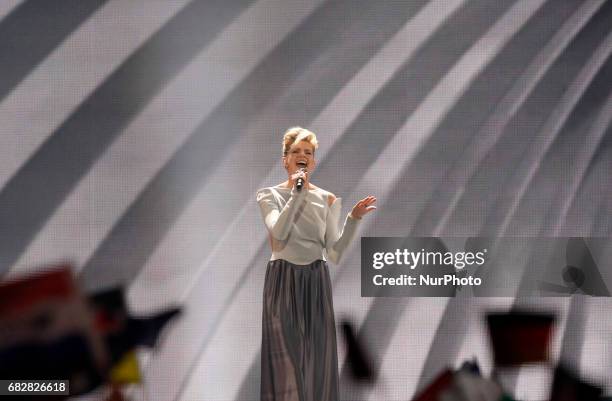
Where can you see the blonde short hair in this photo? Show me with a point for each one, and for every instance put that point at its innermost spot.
(298, 134)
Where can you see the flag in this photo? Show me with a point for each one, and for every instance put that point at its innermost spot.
(123, 332)
(48, 333)
(359, 363)
(127, 370)
(435, 389)
(520, 337)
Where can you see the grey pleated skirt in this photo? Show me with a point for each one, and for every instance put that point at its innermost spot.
(298, 352)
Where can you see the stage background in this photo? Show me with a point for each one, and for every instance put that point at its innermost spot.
(135, 134)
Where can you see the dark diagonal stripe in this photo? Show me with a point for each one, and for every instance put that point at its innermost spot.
(249, 390)
(570, 155)
(598, 181)
(573, 335)
(304, 65)
(40, 186)
(248, 386)
(32, 31)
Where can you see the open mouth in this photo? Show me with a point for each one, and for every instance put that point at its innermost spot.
(301, 164)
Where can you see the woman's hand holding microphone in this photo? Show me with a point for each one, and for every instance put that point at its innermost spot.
(300, 178)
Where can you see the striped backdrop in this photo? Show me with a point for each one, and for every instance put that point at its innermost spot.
(135, 134)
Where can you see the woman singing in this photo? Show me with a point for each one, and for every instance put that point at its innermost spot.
(298, 356)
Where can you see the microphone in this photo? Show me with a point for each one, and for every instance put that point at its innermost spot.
(299, 184)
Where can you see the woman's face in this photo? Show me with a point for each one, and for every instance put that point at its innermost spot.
(300, 155)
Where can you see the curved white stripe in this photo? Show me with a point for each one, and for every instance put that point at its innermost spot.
(157, 132)
(428, 115)
(7, 6)
(56, 87)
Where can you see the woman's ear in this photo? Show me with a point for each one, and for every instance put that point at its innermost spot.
(285, 162)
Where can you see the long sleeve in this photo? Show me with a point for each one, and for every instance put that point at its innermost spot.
(279, 221)
(336, 243)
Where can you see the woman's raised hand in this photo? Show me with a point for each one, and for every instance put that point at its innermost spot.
(363, 207)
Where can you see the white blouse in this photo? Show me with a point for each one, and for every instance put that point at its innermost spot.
(302, 224)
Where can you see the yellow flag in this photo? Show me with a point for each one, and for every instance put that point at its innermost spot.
(126, 371)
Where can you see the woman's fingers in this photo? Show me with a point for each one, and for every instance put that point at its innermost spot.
(365, 206)
(369, 200)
